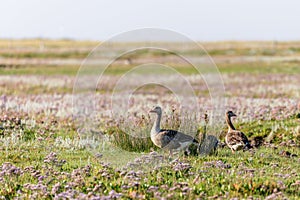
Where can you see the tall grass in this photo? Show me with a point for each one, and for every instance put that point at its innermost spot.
(134, 135)
(130, 143)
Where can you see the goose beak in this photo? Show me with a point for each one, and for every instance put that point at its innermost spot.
(152, 111)
(233, 115)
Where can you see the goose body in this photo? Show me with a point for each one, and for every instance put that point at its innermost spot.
(235, 140)
(166, 138)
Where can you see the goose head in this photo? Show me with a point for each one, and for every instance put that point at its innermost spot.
(230, 114)
(156, 110)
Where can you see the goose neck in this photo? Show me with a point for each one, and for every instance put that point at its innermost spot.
(156, 125)
(229, 124)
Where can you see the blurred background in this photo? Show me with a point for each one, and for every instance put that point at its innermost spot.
(255, 45)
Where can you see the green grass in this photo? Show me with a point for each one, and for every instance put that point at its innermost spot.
(236, 181)
(252, 68)
(261, 68)
(257, 174)
(39, 70)
(78, 165)
(74, 54)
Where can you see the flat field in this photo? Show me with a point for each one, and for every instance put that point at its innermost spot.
(48, 152)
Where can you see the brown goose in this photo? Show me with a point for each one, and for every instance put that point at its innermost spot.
(169, 139)
(235, 140)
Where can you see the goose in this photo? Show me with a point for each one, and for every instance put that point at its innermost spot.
(235, 140)
(166, 138)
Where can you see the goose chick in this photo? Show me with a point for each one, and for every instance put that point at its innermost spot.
(235, 140)
(169, 139)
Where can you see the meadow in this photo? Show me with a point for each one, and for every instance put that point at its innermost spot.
(46, 154)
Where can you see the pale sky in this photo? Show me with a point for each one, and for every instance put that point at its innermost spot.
(200, 20)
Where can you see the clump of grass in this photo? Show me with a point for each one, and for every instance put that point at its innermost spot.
(129, 142)
(28, 134)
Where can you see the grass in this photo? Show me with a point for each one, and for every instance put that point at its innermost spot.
(244, 174)
(71, 54)
(243, 178)
(46, 43)
(228, 48)
(224, 68)
(43, 157)
(49, 70)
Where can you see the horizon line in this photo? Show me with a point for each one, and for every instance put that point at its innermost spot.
(96, 40)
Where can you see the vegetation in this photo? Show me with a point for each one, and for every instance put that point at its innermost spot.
(45, 153)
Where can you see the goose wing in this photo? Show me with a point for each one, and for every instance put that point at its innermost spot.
(237, 137)
(176, 137)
